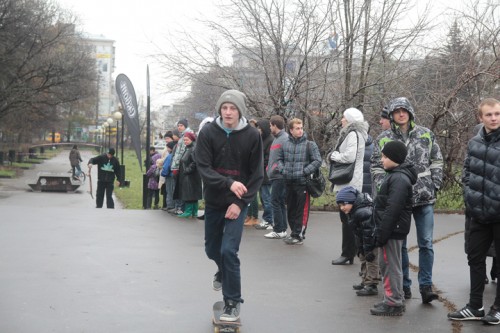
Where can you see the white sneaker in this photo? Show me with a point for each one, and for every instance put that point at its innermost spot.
(270, 227)
(276, 235)
(263, 225)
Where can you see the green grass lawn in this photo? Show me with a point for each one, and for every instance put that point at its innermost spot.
(131, 197)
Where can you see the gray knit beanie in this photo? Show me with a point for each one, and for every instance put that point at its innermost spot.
(235, 97)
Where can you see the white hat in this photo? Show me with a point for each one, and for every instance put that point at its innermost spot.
(353, 114)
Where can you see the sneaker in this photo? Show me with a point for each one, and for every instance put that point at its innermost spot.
(217, 281)
(276, 235)
(386, 310)
(370, 290)
(427, 294)
(493, 316)
(467, 313)
(293, 241)
(270, 227)
(262, 225)
(407, 292)
(231, 311)
(381, 304)
(358, 286)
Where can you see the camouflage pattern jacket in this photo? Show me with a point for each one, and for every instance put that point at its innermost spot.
(423, 152)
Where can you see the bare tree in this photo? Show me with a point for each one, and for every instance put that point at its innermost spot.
(42, 65)
(455, 76)
(309, 59)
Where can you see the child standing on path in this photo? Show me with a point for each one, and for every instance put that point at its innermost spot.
(393, 209)
(358, 208)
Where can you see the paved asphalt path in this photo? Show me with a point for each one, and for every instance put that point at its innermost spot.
(66, 266)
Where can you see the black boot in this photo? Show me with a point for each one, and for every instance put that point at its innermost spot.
(427, 294)
(343, 261)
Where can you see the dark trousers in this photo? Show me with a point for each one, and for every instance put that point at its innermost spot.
(222, 244)
(278, 202)
(298, 204)
(104, 187)
(152, 193)
(348, 238)
(480, 238)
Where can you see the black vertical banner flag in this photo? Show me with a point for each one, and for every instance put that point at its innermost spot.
(126, 94)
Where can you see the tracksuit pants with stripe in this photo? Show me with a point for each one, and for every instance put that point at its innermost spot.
(389, 260)
(298, 204)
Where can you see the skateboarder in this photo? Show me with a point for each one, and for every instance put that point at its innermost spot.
(230, 160)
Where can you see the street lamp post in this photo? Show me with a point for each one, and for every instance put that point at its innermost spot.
(105, 126)
(110, 122)
(117, 115)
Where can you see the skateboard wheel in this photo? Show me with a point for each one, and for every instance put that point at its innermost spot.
(237, 330)
(216, 329)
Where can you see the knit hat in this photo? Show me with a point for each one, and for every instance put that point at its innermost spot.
(347, 195)
(385, 113)
(353, 114)
(111, 151)
(395, 151)
(404, 103)
(235, 97)
(171, 144)
(183, 122)
(190, 135)
(169, 134)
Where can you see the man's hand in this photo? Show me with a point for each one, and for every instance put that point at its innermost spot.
(238, 189)
(232, 212)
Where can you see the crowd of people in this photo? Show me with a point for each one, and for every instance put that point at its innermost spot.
(239, 163)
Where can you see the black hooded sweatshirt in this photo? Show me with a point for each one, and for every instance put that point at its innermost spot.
(222, 158)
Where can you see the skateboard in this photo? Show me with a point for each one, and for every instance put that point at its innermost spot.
(224, 326)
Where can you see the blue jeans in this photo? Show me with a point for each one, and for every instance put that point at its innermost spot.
(222, 243)
(424, 223)
(278, 204)
(169, 191)
(265, 199)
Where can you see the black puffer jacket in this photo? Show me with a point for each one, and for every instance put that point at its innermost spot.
(361, 222)
(481, 177)
(393, 204)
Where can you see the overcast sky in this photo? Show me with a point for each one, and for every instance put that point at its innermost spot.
(137, 25)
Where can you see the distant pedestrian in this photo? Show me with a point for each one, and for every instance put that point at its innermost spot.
(74, 159)
(108, 168)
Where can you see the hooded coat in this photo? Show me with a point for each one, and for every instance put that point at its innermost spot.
(393, 204)
(361, 222)
(423, 153)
